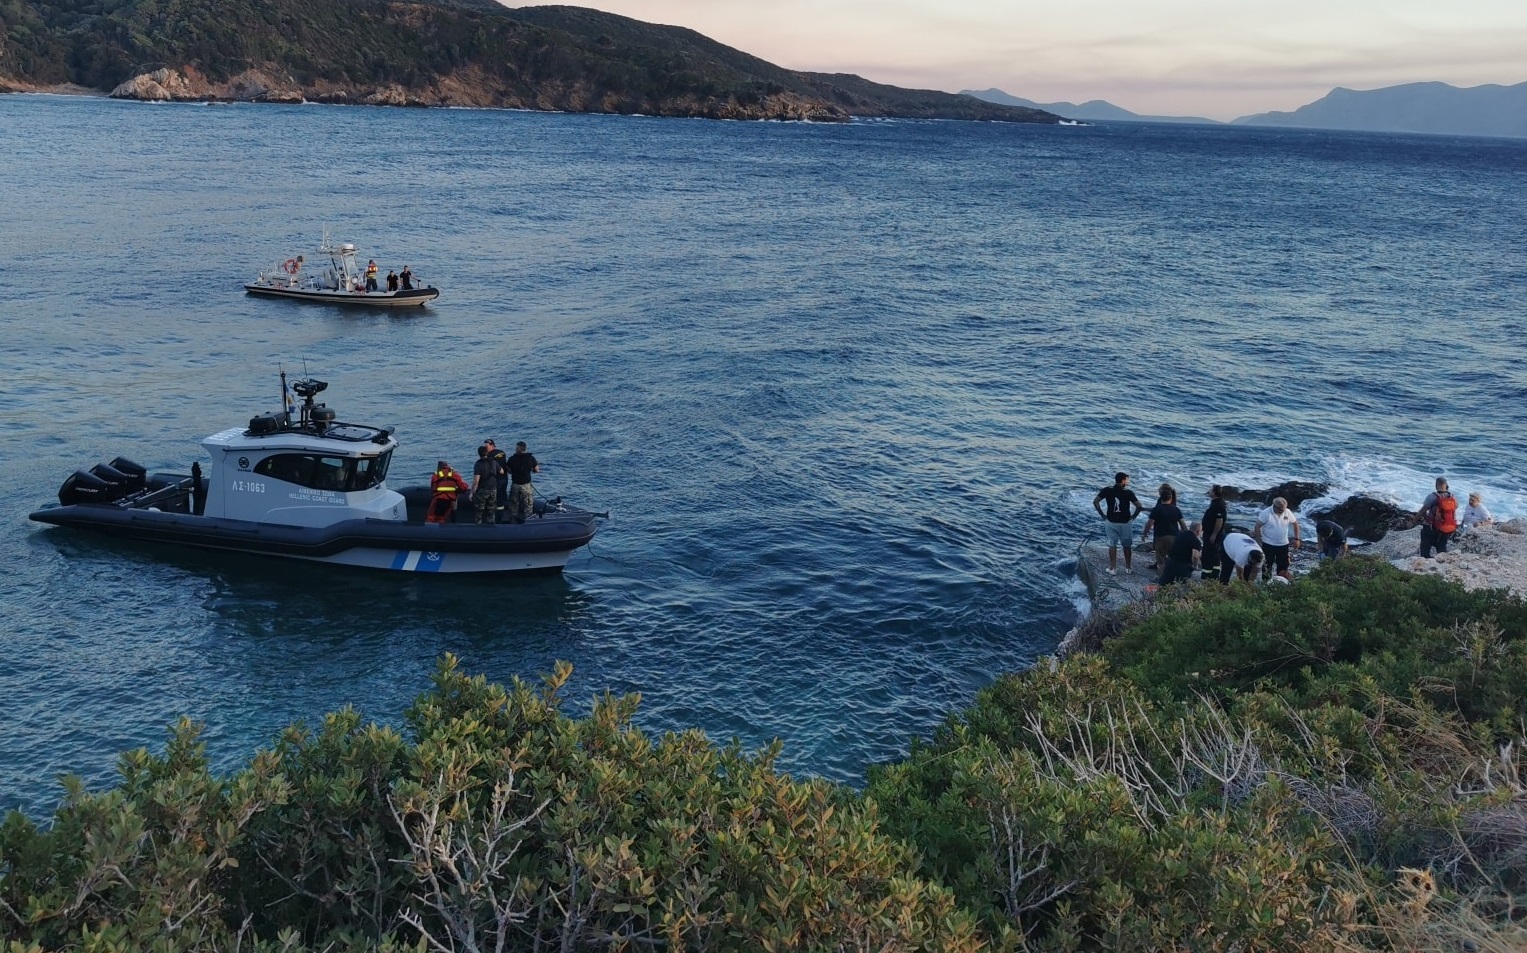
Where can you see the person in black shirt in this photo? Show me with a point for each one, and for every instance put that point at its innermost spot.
(1333, 539)
(1166, 519)
(1183, 557)
(484, 485)
(1216, 520)
(502, 462)
(1118, 521)
(521, 494)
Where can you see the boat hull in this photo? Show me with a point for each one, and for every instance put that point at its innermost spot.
(371, 299)
(542, 543)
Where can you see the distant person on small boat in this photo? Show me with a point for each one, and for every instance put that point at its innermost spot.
(485, 485)
(198, 490)
(1243, 559)
(1475, 513)
(1333, 539)
(1166, 519)
(1216, 518)
(447, 486)
(1439, 519)
(501, 460)
(371, 275)
(522, 494)
(1184, 556)
(407, 278)
(1118, 522)
(392, 281)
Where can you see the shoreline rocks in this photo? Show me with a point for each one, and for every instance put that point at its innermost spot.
(469, 87)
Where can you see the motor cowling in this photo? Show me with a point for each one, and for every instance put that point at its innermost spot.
(83, 486)
(137, 475)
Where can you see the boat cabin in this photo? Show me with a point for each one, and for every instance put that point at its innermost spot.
(308, 471)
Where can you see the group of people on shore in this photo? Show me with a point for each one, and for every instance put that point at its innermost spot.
(1212, 547)
(501, 488)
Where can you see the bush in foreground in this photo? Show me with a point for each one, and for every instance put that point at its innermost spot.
(496, 823)
(1333, 766)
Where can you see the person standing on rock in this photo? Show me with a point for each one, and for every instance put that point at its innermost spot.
(1216, 520)
(1243, 559)
(1277, 529)
(1183, 557)
(1118, 521)
(1439, 519)
(1166, 519)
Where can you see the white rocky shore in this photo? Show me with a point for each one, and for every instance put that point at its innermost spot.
(1484, 557)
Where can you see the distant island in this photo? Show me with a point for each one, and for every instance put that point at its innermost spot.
(1431, 108)
(433, 53)
(1094, 110)
(1435, 108)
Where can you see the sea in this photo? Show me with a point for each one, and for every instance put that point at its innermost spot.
(845, 390)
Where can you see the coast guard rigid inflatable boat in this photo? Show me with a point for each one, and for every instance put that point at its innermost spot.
(303, 485)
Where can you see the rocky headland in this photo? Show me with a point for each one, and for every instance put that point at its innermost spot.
(474, 53)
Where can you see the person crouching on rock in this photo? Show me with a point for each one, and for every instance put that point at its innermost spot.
(1183, 558)
(1243, 558)
(1333, 539)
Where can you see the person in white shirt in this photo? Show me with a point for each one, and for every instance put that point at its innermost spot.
(1475, 513)
(1243, 558)
(1277, 530)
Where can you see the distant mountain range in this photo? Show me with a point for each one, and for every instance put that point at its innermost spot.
(1434, 108)
(431, 53)
(1414, 107)
(1094, 110)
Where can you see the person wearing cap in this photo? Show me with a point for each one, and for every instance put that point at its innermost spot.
(1277, 530)
(501, 461)
(446, 485)
(484, 486)
(522, 494)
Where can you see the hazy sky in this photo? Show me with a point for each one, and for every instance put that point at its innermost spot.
(1167, 57)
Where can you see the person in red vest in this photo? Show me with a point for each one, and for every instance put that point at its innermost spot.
(446, 485)
(1439, 519)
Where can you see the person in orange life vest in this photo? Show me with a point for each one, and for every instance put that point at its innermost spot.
(446, 485)
(1439, 519)
(371, 275)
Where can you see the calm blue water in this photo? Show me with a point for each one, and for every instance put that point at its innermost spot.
(846, 391)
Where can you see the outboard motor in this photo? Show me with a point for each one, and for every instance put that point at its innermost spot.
(116, 478)
(85, 487)
(137, 476)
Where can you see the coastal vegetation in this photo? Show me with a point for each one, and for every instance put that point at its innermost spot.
(435, 52)
(1333, 765)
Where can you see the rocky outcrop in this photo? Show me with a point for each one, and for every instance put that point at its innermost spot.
(1367, 518)
(1294, 491)
(469, 88)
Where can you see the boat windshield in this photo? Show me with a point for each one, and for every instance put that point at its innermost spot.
(341, 474)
